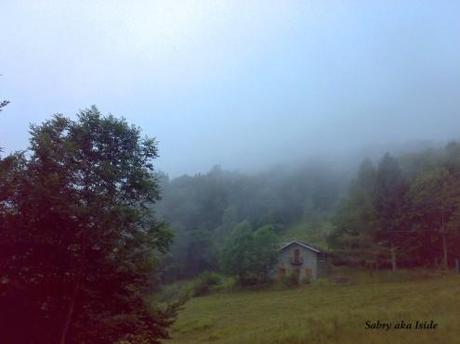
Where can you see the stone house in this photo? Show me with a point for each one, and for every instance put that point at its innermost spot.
(301, 259)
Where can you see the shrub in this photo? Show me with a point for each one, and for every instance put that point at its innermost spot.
(322, 282)
(203, 284)
(174, 292)
(290, 280)
(306, 280)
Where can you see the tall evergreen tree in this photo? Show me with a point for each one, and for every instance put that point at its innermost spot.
(435, 198)
(390, 191)
(356, 219)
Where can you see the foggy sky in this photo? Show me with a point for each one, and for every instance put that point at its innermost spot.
(237, 83)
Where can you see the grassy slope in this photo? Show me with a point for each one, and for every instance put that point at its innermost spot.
(325, 313)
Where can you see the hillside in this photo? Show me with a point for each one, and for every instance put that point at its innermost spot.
(313, 232)
(326, 313)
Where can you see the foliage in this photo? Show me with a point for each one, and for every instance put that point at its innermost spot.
(291, 280)
(390, 191)
(250, 255)
(78, 238)
(203, 209)
(201, 285)
(407, 210)
(204, 283)
(356, 219)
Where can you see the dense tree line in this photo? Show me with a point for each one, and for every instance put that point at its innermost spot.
(78, 238)
(204, 209)
(82, 227)
(403, 212)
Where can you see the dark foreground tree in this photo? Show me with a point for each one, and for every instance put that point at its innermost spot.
(78, 240)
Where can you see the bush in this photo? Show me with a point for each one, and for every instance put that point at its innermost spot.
(306, 280)
(174, 292)
(322, 282)
(290, 280)
(203, 284)
(227, 283)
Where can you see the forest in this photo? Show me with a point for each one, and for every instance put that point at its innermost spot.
(401, 210)
(261, 172)
(93, 236)
(204, 209)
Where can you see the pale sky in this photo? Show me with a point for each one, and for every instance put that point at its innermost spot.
(237, 83)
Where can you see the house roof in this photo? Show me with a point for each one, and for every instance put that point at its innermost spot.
(301, 243)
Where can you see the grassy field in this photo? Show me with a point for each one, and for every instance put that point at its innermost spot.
(327, 313)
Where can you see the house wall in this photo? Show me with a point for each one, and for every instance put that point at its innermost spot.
(309, 261)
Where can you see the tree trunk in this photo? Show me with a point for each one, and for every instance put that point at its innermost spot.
(444, 243)
(444, 249)
(69, 314)
(393, 258)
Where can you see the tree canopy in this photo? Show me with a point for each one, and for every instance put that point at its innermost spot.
(406, 210)
(250, 255)
(78, 238)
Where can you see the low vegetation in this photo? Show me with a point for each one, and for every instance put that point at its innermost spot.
(328, 311)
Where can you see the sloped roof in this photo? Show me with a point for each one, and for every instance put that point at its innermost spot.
(301, 243)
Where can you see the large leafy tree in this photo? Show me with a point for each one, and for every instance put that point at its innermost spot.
(78, 239)
(250, 255)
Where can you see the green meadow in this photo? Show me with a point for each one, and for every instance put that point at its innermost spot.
(326, 312)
